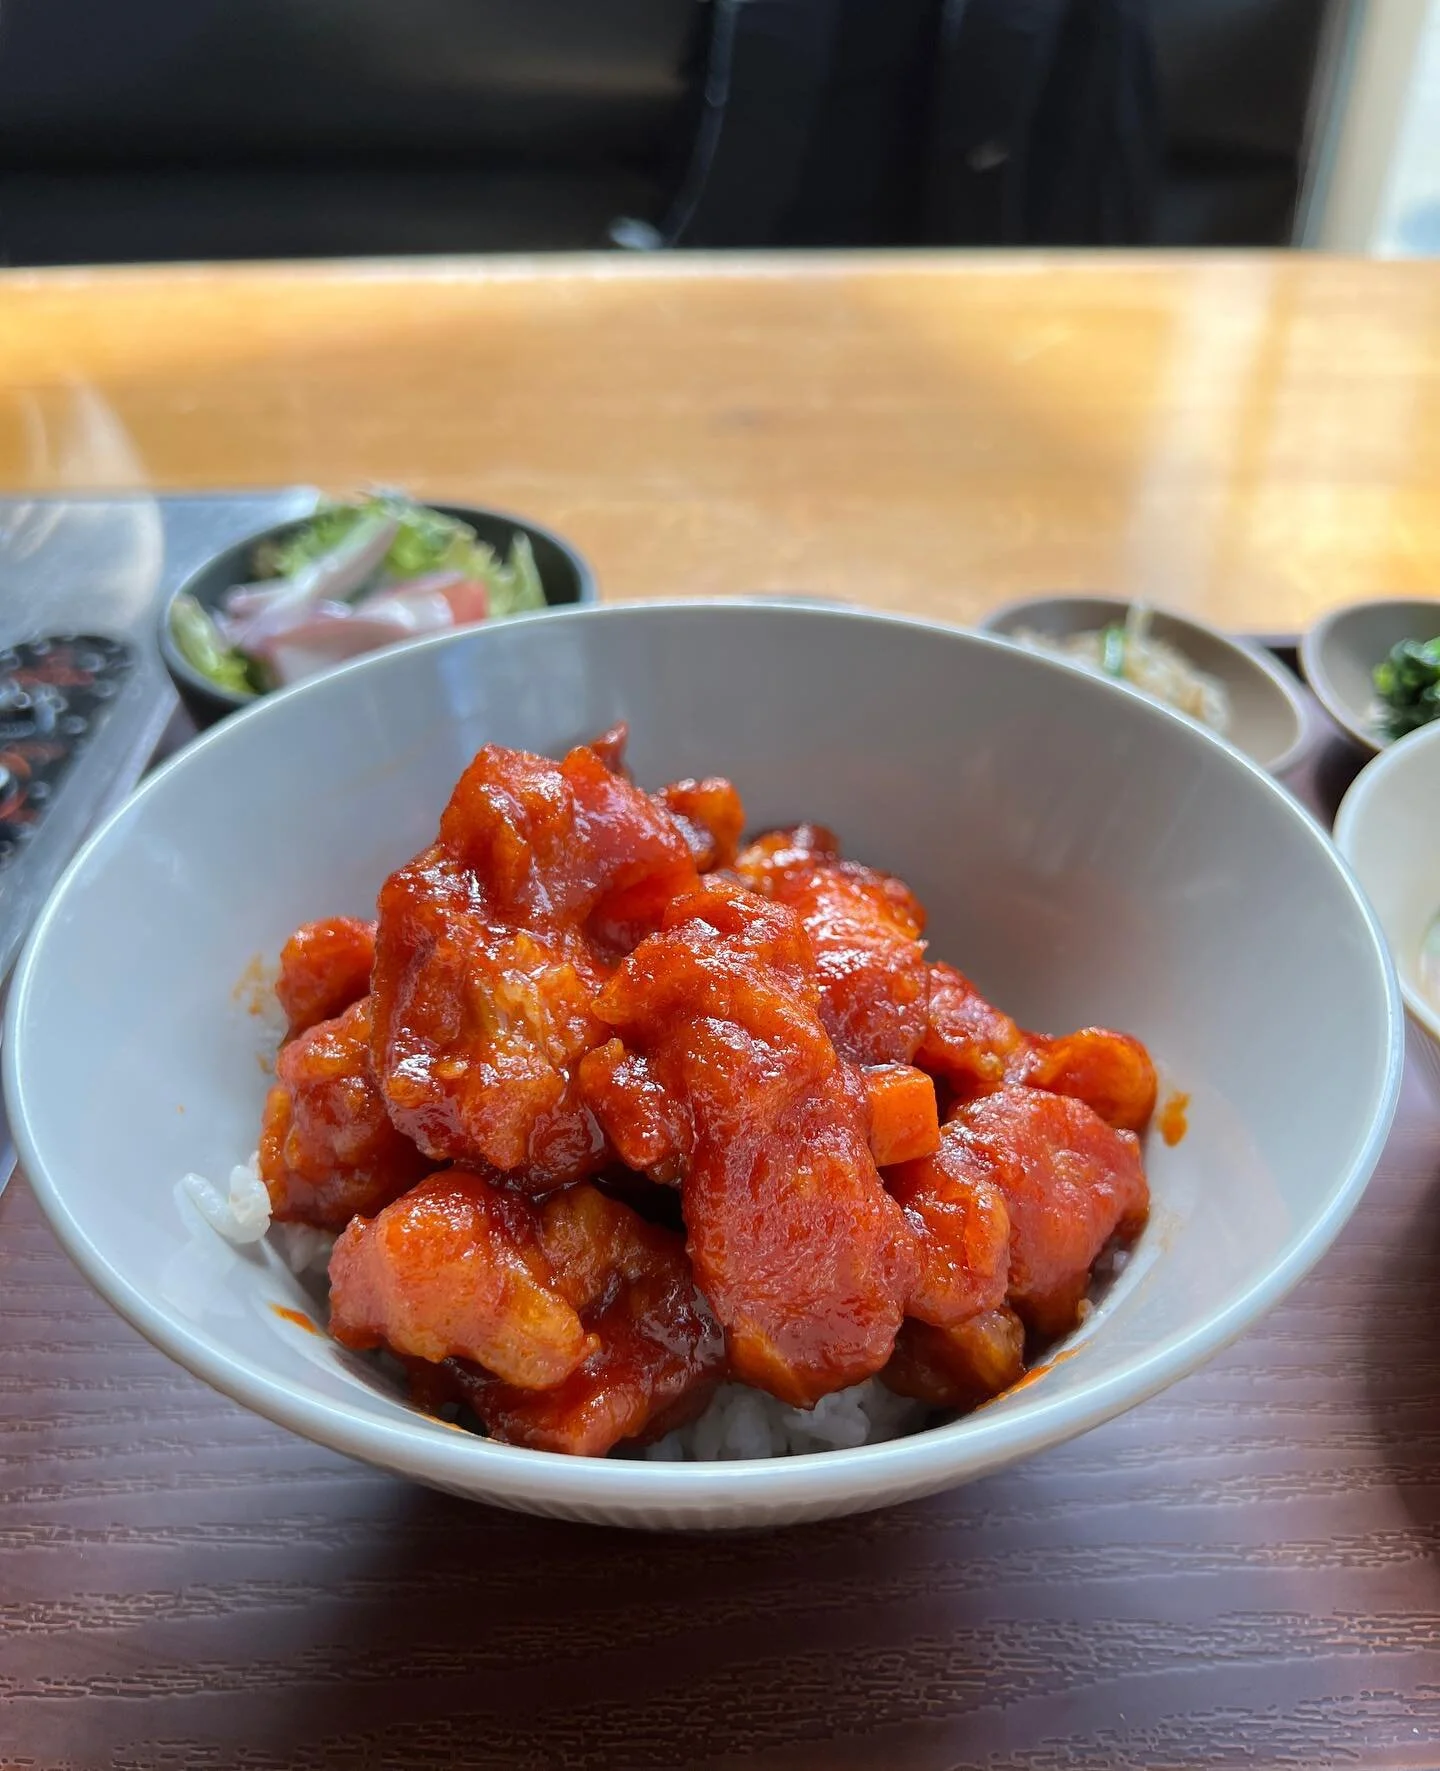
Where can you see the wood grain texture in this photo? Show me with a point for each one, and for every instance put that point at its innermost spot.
(1244, 1572)
(1252, 438)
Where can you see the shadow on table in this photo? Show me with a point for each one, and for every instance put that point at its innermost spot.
(476, 1637)
(1402, 1328)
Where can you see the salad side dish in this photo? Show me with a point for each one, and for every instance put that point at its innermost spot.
(354, 577)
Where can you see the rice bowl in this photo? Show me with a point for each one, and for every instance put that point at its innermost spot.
(908, 735)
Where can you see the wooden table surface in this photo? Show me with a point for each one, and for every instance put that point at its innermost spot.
(1243, 1572)
(1254, 438)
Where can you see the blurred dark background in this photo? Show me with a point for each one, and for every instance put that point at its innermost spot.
(182, 129)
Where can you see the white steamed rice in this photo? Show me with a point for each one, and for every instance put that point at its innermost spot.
(242, 1215)
(740, 1422)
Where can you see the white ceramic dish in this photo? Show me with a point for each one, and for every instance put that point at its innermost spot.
(1341, 650)
(1089, 856)
(1266, 712)
(1388, 829)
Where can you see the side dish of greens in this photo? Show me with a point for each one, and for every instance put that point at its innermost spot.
(356, 576)
(1407, 686)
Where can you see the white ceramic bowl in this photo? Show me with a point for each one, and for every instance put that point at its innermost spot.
(1388, 828)
(1341, 650)
(1267, 716)
(1087, 855)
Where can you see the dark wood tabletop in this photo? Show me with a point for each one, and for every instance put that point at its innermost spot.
(1242, 1572)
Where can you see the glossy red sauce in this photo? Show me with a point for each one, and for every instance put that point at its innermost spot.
(606, 1110)
(1174, 1119)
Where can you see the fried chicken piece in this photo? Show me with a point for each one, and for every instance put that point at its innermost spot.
(709, 812)
(957, 1211)
(324, 967)
(492, 945)
(566, 1326)
(477, 1019)
(802, 1255)
(327, 1147)
(976, 1049)
(565, 1145)
(648, 1126)
(712, 817)
(958, 1367)
(457, 1269)
(660, 1354)
(967, 1041)
(865, 928)
(1111, 1072)
(610, 747)
(1070, 1182)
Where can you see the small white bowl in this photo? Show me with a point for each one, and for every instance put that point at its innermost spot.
(1388, 828)
(1341, 650)
(1087, 855)
(1267, 716)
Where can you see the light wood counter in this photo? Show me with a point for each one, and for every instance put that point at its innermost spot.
(1252, 438)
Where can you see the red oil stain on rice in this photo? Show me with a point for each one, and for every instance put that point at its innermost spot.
(298, 1317)
(1174, 1119)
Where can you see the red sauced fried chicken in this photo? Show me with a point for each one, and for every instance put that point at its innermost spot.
(609, 1109)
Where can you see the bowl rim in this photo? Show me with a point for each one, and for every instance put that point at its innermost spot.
(1313, 662)
(1251, 650)
(180, 666)
(1372, 779)
(920, 1462)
